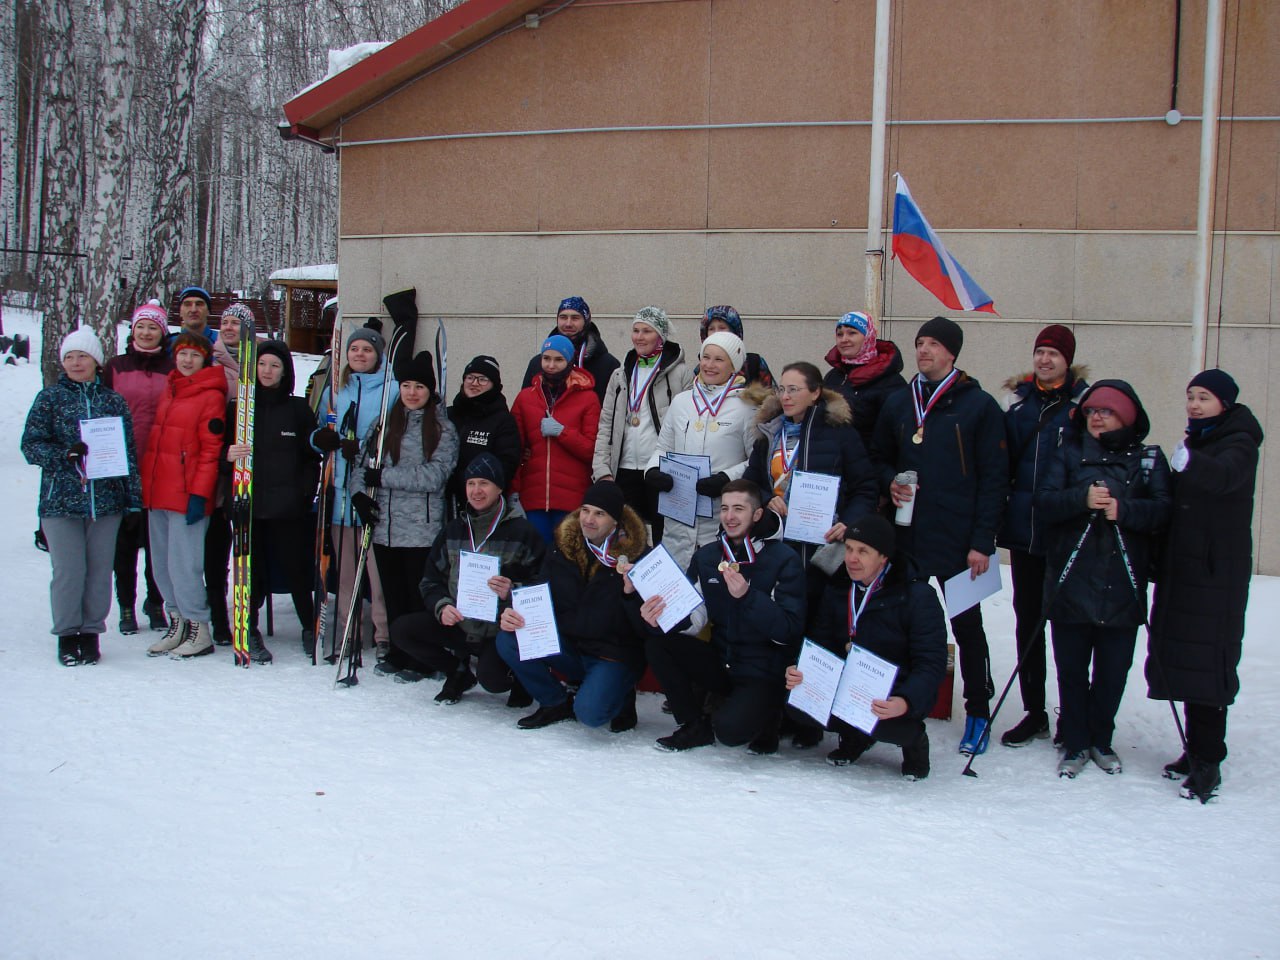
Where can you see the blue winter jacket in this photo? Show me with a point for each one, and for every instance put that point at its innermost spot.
(356, 411)
(53, 426)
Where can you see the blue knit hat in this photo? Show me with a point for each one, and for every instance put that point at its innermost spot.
(856, 319)
(200, 292)
(575, 303)
(722, 312)
(560, 344)
(485, 466)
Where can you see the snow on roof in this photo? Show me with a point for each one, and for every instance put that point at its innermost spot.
(340, 60)
(314, 271)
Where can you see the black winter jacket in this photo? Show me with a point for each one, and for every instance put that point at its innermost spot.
(867, 386)
(1098, 590)
(1031, 426)
(903, 623)
(484, 425)
(1197, 621)
(590, 614)
(963, 471)
(828, 444)
(597, 360)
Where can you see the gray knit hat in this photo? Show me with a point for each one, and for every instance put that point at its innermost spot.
(655, 317)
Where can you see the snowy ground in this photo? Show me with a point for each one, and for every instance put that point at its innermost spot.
(173, 810)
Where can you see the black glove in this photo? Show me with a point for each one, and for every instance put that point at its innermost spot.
(767, 526)
(712, 485)
(659, 480)
(77, 452)
(350, 447)
(327, 440)
(366, 508)
(373, 476)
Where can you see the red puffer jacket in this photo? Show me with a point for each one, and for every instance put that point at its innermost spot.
(186, 441)
(556, 471)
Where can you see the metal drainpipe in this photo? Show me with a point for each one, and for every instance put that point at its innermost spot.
(1208, 183)
(875, 190)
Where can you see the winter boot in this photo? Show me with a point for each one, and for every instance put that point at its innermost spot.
(974, 742)
(154, 610)
(1072, 763)
(198, 643)
(915, 758)
(1203, 783)
(458, 683)
(688, 736)
(69, 650)
(128, 622)
(626, 718)
(89, 651)
(258, 651)
(546, 716)
(173, 637)
(806, 738)
(766, 741)
(519, 698)
(308, 641)
(1106, 759)
(1034, 726)
(1178, 768)
(852, 746)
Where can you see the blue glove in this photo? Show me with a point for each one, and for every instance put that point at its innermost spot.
(551, 427)
(195, 509)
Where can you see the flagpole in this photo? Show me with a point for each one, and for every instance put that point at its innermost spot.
(1208, 184)
(875, 189)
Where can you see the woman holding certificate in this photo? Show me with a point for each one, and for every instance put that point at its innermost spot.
(878, 604)
(80, 505)
(636, 400)
(713, 427)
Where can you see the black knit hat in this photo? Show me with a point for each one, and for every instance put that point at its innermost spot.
(486, 366)
(1219, 383)
(875, 531)
(485, 467)
(947, 332)
(421, 369)
(606, 495)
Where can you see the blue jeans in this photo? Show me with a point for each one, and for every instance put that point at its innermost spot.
(545, 522)
(604, 686)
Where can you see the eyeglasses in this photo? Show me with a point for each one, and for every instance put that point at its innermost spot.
(1106, 413)
(476, 379)
(791, 391)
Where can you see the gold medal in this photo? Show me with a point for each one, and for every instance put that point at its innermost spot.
(726, 565)
(697, 425)
(635, 420)
(918, 436)
(713, 426)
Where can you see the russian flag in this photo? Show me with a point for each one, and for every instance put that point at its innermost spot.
(922, 253)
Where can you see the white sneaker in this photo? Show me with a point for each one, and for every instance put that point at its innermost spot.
(171, 638)
(1072, 763)
(199, 642)
(1106, 760)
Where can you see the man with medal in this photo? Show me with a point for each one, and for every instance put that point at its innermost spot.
(442, 639)
(949, 431)
(754, 593)
(716, 420)
(879, 603)
(636, 400)
(601, 651)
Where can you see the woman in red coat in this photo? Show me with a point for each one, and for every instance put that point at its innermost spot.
(179, 473)
(558, 417)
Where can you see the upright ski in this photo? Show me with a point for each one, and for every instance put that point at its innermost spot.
(324, 549)
(242, 498)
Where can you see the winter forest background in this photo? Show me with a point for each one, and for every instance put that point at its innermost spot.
(139, 149)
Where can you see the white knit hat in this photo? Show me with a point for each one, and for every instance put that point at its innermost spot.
(83, 339)
(730, 344)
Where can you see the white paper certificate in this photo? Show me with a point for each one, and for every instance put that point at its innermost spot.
(963, 593)
(811, 506)
(866, 677)
(476, 601)
(681, 501)
(108, 455)
(706, 507)
(538, 637)
(821, 669)
(656, 574)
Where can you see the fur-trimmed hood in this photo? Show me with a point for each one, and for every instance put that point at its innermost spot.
(1076, 373)
(836, 410)
(630, 542)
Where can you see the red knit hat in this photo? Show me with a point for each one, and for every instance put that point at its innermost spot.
(1060, 338)
(1112, 399)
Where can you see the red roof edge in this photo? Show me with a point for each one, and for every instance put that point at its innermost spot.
(316, 107)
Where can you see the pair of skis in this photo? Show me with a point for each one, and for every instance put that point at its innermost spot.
(242, 498)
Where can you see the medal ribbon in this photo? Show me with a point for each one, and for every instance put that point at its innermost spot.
(636, 390)
(602, 552)
(747, 548)
(856, 611)
(787, 461)
(497, 519)
(705, 405)
(917, 395)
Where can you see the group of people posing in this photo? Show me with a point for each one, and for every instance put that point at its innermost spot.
(563, 488)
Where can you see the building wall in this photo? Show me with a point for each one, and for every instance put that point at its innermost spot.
(1089, 224)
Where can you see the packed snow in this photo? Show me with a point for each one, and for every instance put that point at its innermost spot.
(163, 809)
(312, 271)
